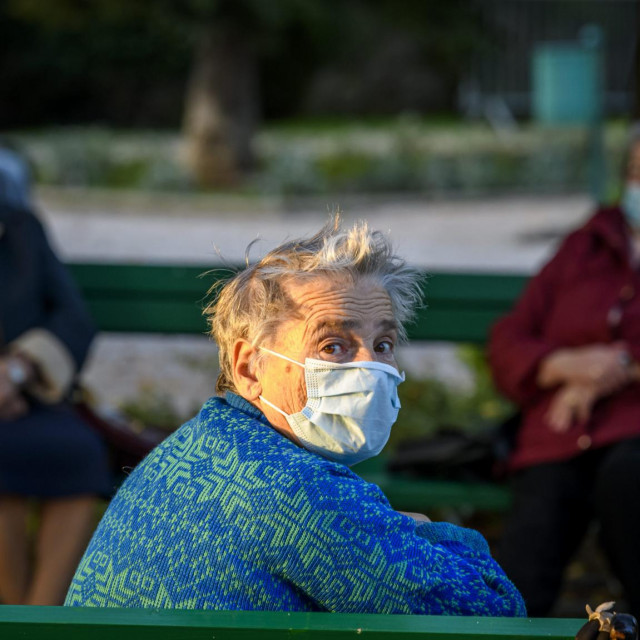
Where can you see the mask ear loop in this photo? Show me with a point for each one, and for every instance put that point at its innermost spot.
(274, 353)
(273, 406)
(279, 355)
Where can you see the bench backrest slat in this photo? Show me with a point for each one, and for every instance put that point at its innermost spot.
(169, 299)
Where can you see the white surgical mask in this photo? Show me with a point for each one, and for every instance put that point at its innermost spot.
(631, 204)
(350, 408)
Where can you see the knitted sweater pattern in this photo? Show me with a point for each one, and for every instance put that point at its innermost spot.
(229, 514)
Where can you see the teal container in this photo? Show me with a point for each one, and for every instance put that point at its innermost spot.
(567, 84)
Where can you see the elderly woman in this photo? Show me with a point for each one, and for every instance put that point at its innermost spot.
(569, 355)
(251, 504)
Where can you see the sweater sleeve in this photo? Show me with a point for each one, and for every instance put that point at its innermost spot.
(354, 553)
(60, 344)
(517, 343)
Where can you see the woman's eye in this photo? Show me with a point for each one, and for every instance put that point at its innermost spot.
(332, 349)
(386, 346)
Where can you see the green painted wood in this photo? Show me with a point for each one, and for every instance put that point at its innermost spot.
(409, 493)
(488, 288)
(148, 298)
(62, 623)
(417, 494)
(453, 324)
(156, 278)
(461, 307)
(145, 315)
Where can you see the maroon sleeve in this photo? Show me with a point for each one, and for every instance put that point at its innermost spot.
(634, 350)
(518, 342)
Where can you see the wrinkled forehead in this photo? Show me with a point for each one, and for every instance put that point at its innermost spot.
(341, 301)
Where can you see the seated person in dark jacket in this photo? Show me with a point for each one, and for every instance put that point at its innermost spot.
(46, 452)
(568, 355)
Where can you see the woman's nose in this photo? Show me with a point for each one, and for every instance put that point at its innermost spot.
(366, 354)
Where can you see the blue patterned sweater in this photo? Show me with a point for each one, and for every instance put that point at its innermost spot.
(229, 514)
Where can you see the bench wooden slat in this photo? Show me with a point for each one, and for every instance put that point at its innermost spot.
(149, 279)
(408, 493)
(418, 494)
(147, 315)
(453, 325)
(169, 299)
(71, 623)
(461, 307)
(487, 289)
(146, 298)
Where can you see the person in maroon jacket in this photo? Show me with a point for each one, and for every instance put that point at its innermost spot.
(568, 355)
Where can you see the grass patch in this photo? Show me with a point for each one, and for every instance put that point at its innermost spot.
(428, 404)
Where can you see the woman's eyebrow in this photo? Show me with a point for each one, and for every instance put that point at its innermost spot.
(388, 325)
(335, 325)
(385, 324)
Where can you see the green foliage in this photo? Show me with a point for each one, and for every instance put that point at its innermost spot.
(64, 63)
(486, 403)
(127, 61)
(448, 31)
(152, 408)
(412, 155)
(429, 404)
(290, 173)
(338, 157)
(342, 170)
(97, 157)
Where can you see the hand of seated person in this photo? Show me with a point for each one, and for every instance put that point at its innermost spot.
(602, 365)
(571, 405)
(12, 402)
(418, 517)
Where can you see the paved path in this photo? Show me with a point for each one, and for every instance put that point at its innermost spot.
(508, 233)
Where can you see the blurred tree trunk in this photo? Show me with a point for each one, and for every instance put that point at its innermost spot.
(221, 109)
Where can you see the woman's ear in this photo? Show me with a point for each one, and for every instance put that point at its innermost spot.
(244, 370)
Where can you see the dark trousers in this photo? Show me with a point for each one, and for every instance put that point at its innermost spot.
(554, 505)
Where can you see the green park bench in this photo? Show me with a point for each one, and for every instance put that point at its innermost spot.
(169, 298)
(70, 623)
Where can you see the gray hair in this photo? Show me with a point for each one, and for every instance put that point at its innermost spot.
(254, 302)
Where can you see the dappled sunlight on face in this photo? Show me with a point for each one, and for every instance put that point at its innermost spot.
(337, 321)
